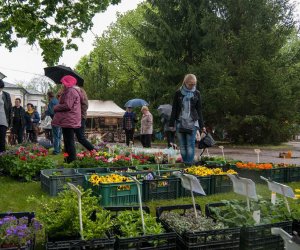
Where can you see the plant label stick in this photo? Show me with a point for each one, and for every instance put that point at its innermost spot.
(257, 151)
(79, 194)
(140, 201)
(222, 148)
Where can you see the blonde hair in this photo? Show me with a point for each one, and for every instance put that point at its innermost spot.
(189, 76)
(144, 108)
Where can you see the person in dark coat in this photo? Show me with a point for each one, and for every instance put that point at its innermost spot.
(129, 120)
(168, 131)
(67, 115)
(32, 119)
(18, 121)
(5, 115)
(187, 107)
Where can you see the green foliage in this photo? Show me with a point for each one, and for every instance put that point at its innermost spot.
(52, 23)
(129, 222)
(235, 213)
(61, 217)
(111, 66)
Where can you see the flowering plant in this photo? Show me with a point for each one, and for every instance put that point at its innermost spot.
(17, 232)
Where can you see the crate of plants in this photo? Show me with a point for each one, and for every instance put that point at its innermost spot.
(54, 181)
(253, 171)
(113, 189)
(18, 231)
(160, 187)
(254, 234)
(60, 218)
(198, 232)
(129, 232)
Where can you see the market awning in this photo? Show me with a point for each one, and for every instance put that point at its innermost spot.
(99, 108)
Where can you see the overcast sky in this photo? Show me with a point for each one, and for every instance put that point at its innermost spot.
(25, 62)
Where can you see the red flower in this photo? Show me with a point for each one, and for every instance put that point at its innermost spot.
(66, 155)
(23, 158)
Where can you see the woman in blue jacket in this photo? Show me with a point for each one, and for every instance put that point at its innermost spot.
(32, 118)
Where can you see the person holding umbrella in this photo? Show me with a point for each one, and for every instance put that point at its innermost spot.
(146, 127)
(187, 112)
(5, 114)
(68, 115)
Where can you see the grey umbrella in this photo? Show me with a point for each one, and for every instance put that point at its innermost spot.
(165, 109)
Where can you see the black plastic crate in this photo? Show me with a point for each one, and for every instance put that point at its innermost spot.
(53, 181)
(220, 184)
(212, 239)
(275, 174)
(257, 237)
(105, 244)
(18, 215)
(168, 239)
(296, 226)
(293, 174)
(161, 188)
(260, 237)
(205, 183)
(89, 171)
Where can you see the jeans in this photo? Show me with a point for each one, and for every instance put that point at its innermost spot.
(69, 144)
(56, 132)
(129, 135)
(80, 134)
(187, 145)
(19, 131)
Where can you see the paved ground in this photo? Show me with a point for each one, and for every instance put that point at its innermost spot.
(266, 154)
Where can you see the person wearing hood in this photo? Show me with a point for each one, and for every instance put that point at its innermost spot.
(187, 112)
(5, 114)
(129, 120)
(146, 127)
(67, 115)
(32, 118)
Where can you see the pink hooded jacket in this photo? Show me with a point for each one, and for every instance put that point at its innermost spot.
(68, 111)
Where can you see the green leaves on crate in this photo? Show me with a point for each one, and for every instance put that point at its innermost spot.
(60, 215)
(189, 223)
(235, 213)
(129, 223)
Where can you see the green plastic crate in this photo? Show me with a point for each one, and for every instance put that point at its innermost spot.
(161, 188)
(115, 194)
(220, 184)
(293, 174)
(54, 181)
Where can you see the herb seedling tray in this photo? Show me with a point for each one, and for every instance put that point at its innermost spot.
(212, 239)
(167, 240)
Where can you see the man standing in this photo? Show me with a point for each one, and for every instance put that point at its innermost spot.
(56, 131)
(18, 120)
(5, 114)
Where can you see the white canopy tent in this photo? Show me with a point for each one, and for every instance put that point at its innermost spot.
(99, 108)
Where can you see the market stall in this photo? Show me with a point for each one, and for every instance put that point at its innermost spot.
(104, 119)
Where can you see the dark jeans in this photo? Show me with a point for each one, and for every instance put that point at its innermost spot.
(2, 138)
(19, 131)
(146, 141)
(80, 134)
(69, 143)
(129, 135)
(170, 137)
(56, 133)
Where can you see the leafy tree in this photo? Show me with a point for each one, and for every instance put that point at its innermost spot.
(236, 48)
(110, 70)
(52, 23)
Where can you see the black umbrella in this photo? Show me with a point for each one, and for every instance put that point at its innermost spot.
(2, 76)
(55, 73)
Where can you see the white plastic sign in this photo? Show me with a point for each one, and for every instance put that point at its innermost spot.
(243, 186)
(190, 182)
(280, 188)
